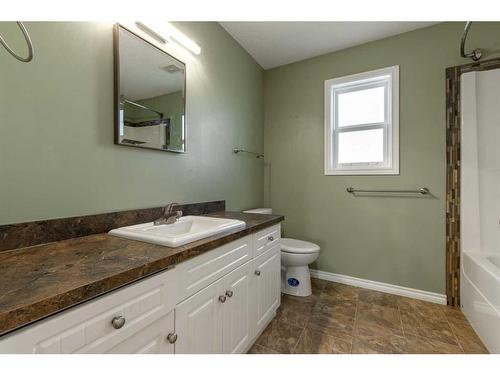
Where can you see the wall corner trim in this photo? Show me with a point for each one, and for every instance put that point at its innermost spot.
(381, 287)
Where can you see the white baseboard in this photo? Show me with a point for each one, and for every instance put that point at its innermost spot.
(381, 287)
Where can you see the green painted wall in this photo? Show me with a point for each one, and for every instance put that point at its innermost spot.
(395, 240)
(57, 156)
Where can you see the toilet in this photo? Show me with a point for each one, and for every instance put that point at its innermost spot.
(296, 255)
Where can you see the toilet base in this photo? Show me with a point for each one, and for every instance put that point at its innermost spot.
(296, 281)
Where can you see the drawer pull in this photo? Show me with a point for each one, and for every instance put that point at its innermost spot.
(172, 337)
(257, 272)
(222, 299)
(229, 293)
(270, 238)
(118, 322)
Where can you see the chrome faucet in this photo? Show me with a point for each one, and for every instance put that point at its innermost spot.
(169, 215)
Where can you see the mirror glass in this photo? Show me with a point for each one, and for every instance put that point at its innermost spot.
(149, 95)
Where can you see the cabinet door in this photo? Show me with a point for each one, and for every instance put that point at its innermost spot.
(88, 328)
(266, 286)
(237, 326)
(150, 340)
(198, 321)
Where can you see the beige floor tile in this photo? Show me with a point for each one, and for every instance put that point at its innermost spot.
(423, 308)
(429, 327)
(340, 306)
(371, 339)
(378, 298)
(302, 305)
(317, 285)
(422, 345)
(339, 318)
(456, 314)
(340, 291)
(383, 317)
(312, 341)
(467, 337)
(292, 317)
(259, 349)
(280, 337)
(330, 320)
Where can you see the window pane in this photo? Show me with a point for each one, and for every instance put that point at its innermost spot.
(365, 106)
(361, 146)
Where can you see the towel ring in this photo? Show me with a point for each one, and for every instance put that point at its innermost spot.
(28, 41)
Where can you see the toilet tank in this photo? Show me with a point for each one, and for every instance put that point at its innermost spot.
(267, 211)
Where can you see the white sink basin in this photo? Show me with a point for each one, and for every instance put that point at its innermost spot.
(187, 229)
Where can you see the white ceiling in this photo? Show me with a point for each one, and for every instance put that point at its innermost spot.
(141, 69)
(273, 44)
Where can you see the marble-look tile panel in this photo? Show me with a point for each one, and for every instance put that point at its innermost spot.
(312, 341)
(345, 319)
(280, 337)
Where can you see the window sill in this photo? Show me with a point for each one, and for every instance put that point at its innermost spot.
(362, 172)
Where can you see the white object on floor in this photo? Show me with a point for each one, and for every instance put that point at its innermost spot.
(296, 255)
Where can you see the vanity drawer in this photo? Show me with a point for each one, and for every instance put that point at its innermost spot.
(88, 328)
(199, 272)
(266, 238)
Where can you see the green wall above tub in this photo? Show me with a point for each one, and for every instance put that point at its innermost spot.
(57, 156)
(388, 239)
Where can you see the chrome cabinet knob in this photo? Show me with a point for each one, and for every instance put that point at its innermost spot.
(118, 322)
(222, 299)
(172, 337)
(257, 272)
(229, 293)
(270, 238)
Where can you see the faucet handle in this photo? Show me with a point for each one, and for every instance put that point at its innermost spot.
(178, 214)
(168, 207)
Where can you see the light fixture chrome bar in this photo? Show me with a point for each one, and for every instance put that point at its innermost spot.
(423, 191)
(153, 34)
(143, 107)
(257, 155)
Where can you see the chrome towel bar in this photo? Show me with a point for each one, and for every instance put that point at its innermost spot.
(256, 154)
(423, 191)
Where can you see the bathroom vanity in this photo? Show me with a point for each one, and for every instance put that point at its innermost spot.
(211, 296)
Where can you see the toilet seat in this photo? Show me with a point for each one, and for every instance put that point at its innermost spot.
(290, 245)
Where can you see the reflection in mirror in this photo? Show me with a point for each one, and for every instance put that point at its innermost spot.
(149, 95)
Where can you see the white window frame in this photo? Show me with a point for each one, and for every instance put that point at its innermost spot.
(385, 77)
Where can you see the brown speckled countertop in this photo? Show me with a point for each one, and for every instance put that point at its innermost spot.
(38, 281)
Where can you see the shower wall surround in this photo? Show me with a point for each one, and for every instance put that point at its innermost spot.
(57, 157)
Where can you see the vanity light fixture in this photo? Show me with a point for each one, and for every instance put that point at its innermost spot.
(163, 32)
(182, 39)
(149, 29)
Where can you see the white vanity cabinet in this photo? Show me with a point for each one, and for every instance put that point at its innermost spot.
(133, 319)
(227, 315)
(266, 286)
(238, 326)
(217, 319)
(217, 302)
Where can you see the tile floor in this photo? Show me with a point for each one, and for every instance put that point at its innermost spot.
(341, 319)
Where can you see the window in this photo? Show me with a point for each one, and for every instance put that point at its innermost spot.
(361, 123)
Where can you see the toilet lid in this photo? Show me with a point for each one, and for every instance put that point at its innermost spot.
(289, 245)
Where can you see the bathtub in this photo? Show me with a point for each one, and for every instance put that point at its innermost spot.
(480, 295)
